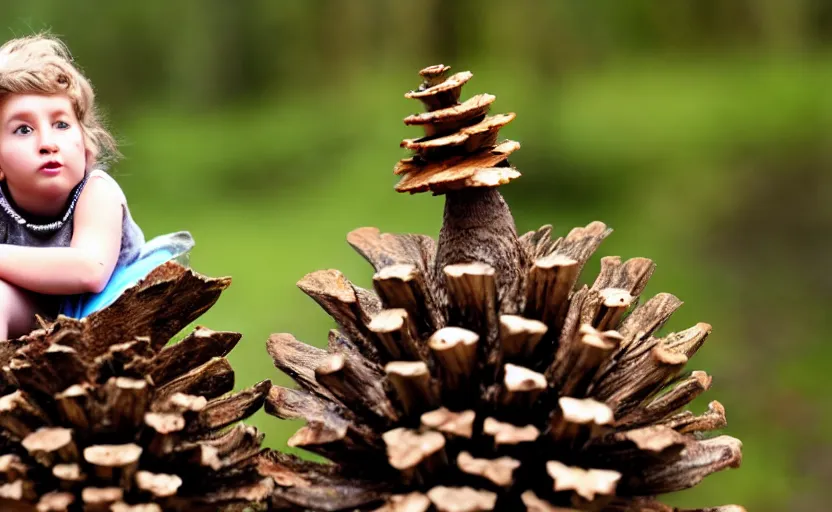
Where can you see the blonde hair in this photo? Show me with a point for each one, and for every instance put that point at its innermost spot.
(42, 64)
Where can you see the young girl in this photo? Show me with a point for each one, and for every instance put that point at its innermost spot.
(67, 239)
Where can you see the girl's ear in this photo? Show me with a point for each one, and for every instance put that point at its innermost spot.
(2, 175)
(90, 159)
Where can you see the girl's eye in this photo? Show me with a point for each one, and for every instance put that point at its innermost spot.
(61, 125)
(23, 130)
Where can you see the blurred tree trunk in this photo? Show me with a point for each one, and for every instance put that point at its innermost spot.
(204, 68)
(448, 20)
(408, 33)
(345, 27)
(784, 26)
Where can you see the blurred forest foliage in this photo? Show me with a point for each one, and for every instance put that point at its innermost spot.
(699, 130)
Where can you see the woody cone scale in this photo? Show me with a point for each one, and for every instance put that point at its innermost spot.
(103, 414)
(477, 374)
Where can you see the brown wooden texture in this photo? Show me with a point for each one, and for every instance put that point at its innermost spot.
(483, 374)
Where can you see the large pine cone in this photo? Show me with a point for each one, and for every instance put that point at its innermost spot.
(98, 414)
(478, 376)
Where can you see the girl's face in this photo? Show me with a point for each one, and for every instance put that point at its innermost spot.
(42, 153)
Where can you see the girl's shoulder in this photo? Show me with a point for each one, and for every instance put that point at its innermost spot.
(111, 183)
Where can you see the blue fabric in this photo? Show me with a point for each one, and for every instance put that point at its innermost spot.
(156, 252)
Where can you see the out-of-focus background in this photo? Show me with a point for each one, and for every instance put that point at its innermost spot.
(699, 130)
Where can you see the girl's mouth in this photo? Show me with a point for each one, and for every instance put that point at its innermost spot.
(51, 167)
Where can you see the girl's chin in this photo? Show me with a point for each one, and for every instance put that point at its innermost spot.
(56, 186)
(60, 174)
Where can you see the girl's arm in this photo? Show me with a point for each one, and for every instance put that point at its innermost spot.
(87, 264)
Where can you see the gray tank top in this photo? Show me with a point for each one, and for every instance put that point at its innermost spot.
(18, 229)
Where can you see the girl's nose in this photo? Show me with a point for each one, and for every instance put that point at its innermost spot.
(47, 146)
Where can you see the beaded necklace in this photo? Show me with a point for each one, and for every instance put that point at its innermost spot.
(43, 228)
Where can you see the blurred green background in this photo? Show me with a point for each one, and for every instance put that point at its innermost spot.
(699, 130)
